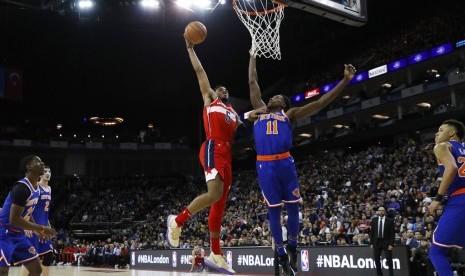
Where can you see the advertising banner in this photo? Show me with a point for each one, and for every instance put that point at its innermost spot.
(325, 260)
(377, 71)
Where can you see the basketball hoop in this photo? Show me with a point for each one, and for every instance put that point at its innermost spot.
(262, 18)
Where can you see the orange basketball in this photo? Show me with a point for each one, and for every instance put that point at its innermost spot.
(195, 32)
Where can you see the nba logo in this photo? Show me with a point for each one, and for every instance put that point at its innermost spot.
(175, 258)
(229, 258)
(304, 260)
(133, 258)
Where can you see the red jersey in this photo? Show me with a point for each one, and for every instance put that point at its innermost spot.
(220, 121)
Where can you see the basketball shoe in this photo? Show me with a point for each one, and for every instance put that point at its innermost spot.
(292, 251)
(219, 263)
(284, 262)
(173, 231)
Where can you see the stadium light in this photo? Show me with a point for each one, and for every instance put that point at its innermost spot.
(204, 4)
(424, 105)
(380, 117)
(184, 3)
(85, 4)
(150, 4)
(197, 4)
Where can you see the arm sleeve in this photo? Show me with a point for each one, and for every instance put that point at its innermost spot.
(19, 194)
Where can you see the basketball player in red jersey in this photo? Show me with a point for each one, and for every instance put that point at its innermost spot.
(220, 123)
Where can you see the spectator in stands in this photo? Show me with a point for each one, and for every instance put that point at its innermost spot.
(306, 230)
(364, 224)
(411, 241)
(116, 255)
(197, 259)
(406, 225)
(323, 230)
(421, 264)
(393, 207)
(341, 241)
(123, 261)
(314, 241)
(328, 239)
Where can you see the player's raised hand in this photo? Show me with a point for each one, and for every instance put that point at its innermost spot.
(188, 44)
(255, 113)
(349, 71)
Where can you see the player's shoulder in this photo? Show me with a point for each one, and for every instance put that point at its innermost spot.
(21, 184)
(46, 189)
(443, 145)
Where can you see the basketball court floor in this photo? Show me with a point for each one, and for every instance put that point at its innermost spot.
(91, 271)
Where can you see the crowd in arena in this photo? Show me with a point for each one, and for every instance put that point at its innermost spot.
(416, 35)
(341, 193)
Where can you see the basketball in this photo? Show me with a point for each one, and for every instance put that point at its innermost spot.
(195, 32)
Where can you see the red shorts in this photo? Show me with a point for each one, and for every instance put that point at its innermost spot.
(215, 157)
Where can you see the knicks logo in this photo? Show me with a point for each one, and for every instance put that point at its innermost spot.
(32, 250)
(296, 193)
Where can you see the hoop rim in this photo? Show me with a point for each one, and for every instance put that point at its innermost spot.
(278, 7)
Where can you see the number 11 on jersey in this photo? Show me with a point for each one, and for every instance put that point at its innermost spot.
(272, 127)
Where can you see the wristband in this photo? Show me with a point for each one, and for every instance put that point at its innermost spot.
(439, 198)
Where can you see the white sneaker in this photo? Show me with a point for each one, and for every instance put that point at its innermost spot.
(219, 263)
(173, 232)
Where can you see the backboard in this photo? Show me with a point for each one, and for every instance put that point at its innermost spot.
(351, 12)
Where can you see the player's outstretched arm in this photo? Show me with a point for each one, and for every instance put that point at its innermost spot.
(208, 94)
(255, 94)
(304, 111)
(254, 114)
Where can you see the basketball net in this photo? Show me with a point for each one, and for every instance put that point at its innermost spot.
(262, 18)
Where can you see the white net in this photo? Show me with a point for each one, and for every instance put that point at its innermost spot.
(262, 18)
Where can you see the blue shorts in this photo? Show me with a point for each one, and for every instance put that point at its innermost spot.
(41, 246)
(15, 247)
(449, 232)
(278, 181)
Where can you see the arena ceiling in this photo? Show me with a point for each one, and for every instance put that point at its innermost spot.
(131, 63)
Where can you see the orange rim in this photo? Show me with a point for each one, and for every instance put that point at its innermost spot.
(278, 7)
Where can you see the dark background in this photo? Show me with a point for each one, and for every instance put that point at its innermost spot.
(124, 61)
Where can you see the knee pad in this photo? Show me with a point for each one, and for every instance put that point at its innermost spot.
(47, 259)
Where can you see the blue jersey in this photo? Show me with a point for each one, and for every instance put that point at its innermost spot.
(28, 208)
(40, 213)
(458, 151)
(273, 133)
